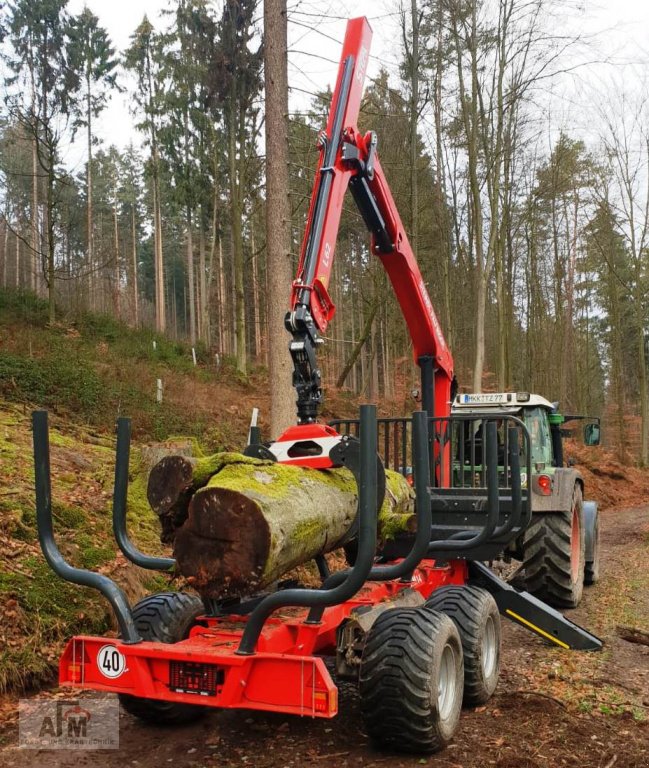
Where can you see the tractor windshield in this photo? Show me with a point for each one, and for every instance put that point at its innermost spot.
(536, 421)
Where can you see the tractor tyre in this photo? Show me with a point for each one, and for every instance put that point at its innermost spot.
(554, 555)
(477, 619)
(165, 617)
(591, 521)
(411, 680)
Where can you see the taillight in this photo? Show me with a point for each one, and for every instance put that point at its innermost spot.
(545, 484)
(320, 701)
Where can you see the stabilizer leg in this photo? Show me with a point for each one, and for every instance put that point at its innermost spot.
(533, 614)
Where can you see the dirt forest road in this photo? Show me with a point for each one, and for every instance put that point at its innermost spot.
(552, 708)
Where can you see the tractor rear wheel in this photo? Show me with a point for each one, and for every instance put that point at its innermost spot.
(554, 552)
(477, 619)
(165, 617)
(411, 680)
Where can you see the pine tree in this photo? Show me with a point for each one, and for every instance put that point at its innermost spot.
(41, 90)
(92, 67)
(142, 58)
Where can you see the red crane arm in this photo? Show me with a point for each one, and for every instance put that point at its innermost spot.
(349, 160)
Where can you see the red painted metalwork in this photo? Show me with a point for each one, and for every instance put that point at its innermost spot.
(286, 674)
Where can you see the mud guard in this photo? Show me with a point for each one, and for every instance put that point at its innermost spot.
(590, 527)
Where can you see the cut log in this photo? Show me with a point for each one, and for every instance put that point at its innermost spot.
(252, 521)
(174, 480)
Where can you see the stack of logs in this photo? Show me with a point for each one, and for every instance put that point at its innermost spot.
(237, 524)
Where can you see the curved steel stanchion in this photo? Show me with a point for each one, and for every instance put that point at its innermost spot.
(55, 559)
(356, 576)
(423, 515)
(130, 551)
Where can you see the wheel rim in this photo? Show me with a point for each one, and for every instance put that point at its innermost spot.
(447, 688)
(489, 648)
(575, 544)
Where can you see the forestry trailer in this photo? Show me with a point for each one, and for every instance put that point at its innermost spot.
(418, 628)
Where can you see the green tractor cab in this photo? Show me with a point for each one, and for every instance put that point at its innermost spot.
(560, 547)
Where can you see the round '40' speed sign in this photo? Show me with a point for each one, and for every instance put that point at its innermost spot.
(110, 662)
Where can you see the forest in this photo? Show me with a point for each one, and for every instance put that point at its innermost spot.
(533, 239)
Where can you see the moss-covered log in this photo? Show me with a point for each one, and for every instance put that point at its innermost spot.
(252, 521)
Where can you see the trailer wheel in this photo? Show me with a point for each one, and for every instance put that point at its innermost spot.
(477, 619)
(554, 555)
(165, 617)
(411, 679)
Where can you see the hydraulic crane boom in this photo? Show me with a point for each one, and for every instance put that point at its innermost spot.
(350, 160)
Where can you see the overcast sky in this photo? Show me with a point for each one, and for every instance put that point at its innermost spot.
(620, 29)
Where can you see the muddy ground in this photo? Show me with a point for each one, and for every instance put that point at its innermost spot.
(552, 708)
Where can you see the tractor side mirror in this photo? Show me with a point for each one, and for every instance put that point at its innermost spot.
(592, 434)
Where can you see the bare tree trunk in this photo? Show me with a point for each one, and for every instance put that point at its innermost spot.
(278, 212)
(202, 283)
(222, 304)
(254, 264)
(160, 319)
(89, 216)
(441, 174)
(51, 275)
(237, 239)
(414, 115)
(17, 276)
(190, 280)
(365, 335)
(35, 250)
(136, 313)
(118, 275)
(469, 106)
(4, 253)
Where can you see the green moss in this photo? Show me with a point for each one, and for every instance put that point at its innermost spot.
(271, 479)
(93, 557)
(69, 517)
(54, 602)
(211, 465)
(307, 529)
(61, 441)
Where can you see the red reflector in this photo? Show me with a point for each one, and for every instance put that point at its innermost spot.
(545, 484)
